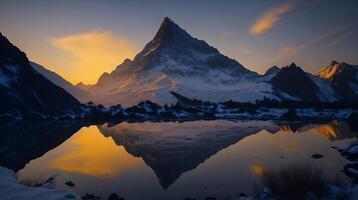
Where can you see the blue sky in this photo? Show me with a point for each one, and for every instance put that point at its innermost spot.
(81, 39)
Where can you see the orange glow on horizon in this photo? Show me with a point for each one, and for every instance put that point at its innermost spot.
(88, 55)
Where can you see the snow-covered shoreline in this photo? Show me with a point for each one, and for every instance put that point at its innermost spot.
(10, 189)
(147, 111)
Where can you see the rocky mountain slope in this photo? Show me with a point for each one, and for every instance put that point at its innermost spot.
(343, 78)
(302, 86)
(24, 91)
(75, 91)
(175, 61)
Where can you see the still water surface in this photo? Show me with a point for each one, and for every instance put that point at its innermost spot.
(192, 159)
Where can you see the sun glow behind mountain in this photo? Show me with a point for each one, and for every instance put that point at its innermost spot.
(81, 39)
(93, 53)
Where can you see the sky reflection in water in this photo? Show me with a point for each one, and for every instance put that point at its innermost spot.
(192, 159)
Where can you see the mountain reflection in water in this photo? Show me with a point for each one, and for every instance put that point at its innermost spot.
(195, 158)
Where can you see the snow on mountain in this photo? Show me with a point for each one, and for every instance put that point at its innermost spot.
(23, 91)
(343, 78)
(175, 61)
(12, 189)
(75, 91)
(329, 71)
(292, 80)
(326, 91)
(83, 86)
(272, 70)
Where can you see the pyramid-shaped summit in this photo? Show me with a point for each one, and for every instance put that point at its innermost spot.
(170, 33)
(172, 36)
(174, 61)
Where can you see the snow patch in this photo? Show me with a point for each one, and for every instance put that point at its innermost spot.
(11, 189)
(327, 93)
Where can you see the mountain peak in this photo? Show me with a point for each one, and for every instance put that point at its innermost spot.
(294, 81)
(172, 36)
(272, 70)
(8, 50)
(292, 68)
(335, 68)
(292, 65)
(167, 21)
(333, 63)
(170, 33)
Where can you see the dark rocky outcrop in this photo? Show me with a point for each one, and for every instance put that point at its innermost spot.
(295, 82)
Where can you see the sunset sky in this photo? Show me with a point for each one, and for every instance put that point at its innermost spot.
(82, 39)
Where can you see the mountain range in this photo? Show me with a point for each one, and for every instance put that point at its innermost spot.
(174, 61)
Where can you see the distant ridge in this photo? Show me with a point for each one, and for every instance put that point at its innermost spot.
(75, 91)
(25, 92)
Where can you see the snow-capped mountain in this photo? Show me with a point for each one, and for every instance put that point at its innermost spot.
(75, 91)
(302, 86)
(343, 78)
(24, 91)
(83, 86)
(272, 70)
(174, 61)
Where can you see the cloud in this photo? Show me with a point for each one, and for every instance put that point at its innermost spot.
(270, 18)
(327, 39)
(288, 52)
(338, 39)
(92, 53)
(323, 36)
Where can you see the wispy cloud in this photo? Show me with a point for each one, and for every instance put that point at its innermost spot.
(339, 39)
(94, 52)
(270, 18)
(288, 52)
(328, 39)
